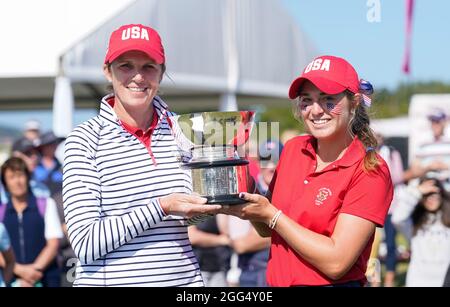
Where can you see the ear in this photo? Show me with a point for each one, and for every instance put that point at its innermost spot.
(107, 72)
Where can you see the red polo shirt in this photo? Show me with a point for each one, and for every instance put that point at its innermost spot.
(314, 200)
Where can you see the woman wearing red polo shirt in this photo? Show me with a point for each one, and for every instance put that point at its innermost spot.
(330, 189)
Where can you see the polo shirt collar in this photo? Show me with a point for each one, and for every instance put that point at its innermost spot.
(108, 115)
(355, 151)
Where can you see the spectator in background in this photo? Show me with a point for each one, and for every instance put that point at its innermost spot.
(433, 158)
(269, 153)
(49, 169)
(34, 227)
(211, 246)
(425, 210)
(394, 162)
(49, 172)
(252, 249)
(447, 278)
(7, 259)
(289, 134)
(27, 151)
(32, 130)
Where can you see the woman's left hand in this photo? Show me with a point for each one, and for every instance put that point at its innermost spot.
(257, 208)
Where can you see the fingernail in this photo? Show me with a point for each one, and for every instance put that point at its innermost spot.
(241, 195)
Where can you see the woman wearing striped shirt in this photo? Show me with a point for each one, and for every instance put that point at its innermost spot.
(126, 200)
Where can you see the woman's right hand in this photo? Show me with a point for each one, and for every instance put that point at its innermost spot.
(187, 205)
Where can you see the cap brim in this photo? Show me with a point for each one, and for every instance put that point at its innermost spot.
(154, 55)
(435, 118)
(325, 85)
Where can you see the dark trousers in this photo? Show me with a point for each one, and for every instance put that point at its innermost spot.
(390, 234)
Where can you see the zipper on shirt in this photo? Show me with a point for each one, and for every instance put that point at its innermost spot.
(149, 149)
(21, 237)
(158, 122)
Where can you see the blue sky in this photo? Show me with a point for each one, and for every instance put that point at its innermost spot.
(341, 28)
(376, 49)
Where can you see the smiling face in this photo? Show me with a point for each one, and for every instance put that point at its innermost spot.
(135, 79)
(326, 117)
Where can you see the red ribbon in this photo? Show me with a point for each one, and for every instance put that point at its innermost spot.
(408, 34)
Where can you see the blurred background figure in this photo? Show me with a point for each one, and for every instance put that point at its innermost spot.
(433, 158)
(447, 278)
(49, 170)
(49, 173)
(251, 248)
(32, 130)
(34, 228)
(425, 210)
(388, 234)
(7, 258)
(211, 246)
(269, 153)
(28, 152)
(26, 149)
(289, 134)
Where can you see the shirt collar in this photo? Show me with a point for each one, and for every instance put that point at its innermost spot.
(354, 153)
(108, 115)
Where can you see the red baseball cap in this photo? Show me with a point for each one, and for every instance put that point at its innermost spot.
(135, 37)
(330, 74)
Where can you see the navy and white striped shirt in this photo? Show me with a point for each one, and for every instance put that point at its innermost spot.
(115, 222)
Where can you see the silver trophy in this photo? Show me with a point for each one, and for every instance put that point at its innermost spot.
(209, 144)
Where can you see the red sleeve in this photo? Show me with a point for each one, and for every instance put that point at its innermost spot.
(369, 195)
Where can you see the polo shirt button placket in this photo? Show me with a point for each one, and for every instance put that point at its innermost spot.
(305, 181)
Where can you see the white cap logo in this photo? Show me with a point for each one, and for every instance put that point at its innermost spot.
(318, 64)
(135, 33)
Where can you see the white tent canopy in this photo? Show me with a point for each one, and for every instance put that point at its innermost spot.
(231, 47)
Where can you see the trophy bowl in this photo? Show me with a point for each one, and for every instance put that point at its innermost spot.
(208, 144)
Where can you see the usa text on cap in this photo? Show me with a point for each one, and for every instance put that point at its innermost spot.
(135, 37)
(330, 74)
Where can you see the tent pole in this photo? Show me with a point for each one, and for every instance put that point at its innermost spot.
(228, 100)
(63, 104)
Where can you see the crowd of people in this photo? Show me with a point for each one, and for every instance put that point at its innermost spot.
(312, 216)
(31, 211)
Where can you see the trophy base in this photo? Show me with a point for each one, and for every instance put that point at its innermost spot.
(232, 199)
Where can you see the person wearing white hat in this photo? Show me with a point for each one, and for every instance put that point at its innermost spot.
(32, 130)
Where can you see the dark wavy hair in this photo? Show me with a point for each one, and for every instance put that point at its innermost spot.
(15, 164)
(420, 215)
